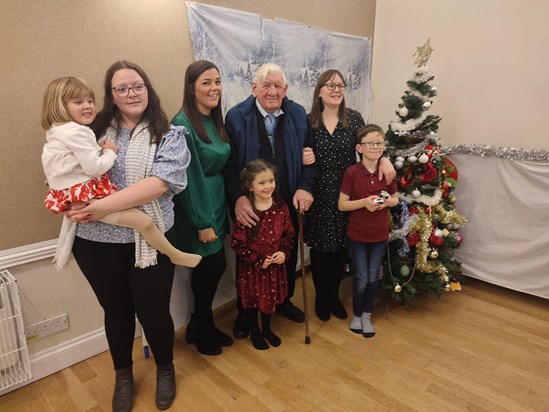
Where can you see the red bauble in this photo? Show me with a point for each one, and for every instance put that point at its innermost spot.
(435, 240)
(413, 239)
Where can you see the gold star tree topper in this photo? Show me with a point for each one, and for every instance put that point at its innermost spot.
(423, 53)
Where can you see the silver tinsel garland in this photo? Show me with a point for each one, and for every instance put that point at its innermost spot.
(414, 150)
(403, 128)
(509, 153)
(404, 230)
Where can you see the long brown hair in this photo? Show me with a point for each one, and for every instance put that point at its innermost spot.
(153, 114)
(318, 107)
(194, 70)
(246, 177)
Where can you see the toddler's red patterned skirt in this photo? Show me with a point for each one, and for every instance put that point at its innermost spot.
(58, 201)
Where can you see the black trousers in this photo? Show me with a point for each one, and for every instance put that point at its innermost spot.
(124, 291)
(204, 282)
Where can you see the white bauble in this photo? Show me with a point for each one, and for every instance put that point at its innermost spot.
(412, 159)
(398, 288)
(423, 158)
(398, 165)
(416, 193)
(403, 111)
(426, 105)
(438, 233)
(399, 159)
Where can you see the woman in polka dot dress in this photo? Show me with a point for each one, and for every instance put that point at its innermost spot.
(334, 132)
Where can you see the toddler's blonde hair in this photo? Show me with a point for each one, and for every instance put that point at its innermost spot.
(54, 108)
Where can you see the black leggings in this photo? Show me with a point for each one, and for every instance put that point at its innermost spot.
(204, 281)
(124, 291)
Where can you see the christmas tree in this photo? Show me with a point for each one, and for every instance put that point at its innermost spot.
(424, 226)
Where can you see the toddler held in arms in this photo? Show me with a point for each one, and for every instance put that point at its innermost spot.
(76, 170)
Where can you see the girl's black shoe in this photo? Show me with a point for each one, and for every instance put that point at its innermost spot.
(321, 308)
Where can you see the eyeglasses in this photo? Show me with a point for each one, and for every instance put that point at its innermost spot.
(371, 145)
(332, 86)
(124, 91)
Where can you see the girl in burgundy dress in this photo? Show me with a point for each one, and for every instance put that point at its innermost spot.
(262, 251)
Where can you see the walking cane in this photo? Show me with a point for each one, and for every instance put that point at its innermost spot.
(303, 279)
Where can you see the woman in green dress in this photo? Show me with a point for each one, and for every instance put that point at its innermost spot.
(200, 210)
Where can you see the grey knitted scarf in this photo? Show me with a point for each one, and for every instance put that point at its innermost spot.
(139, 163)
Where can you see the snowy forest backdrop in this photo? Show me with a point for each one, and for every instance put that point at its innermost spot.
(239, 42)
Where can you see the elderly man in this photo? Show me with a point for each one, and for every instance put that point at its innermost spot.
(268, 125)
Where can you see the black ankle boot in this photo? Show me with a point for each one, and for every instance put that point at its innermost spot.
(337, 307)
(321, 308)
(165, 386)
(204, 335)
(222, 338)
(122, 399)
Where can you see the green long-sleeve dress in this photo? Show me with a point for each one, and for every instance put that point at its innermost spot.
(202, 204)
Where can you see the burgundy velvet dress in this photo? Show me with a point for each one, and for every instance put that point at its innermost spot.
(257, 287)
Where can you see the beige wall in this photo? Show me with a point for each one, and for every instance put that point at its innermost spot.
(490, 62)
(41, 40)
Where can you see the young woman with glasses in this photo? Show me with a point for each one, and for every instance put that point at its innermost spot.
(75, 167)
(149, 170)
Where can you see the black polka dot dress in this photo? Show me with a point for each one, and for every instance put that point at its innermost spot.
(326, 226)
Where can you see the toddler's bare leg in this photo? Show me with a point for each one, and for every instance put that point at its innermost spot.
(136, 219)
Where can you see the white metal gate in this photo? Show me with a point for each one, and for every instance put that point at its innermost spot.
(14, 356)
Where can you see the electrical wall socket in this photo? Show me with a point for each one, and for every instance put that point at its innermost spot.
(47, 327)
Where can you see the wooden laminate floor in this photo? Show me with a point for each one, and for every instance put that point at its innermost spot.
(482, 349)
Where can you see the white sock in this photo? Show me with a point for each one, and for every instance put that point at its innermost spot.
(356, 325)
(367, 328)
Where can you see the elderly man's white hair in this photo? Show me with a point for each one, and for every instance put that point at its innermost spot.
(267, 68)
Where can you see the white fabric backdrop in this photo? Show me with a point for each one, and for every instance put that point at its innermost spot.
(506, 239)
(239, 42)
